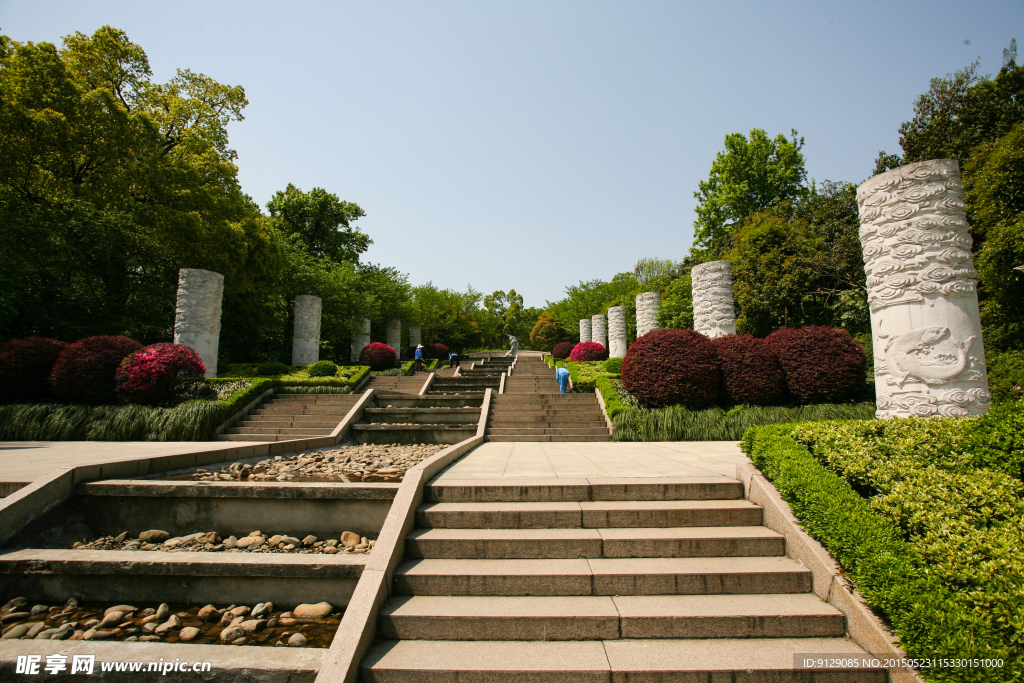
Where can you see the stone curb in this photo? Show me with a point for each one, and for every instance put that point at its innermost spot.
(862, 625)
(426, 385)
(604, 411)
(358, 628)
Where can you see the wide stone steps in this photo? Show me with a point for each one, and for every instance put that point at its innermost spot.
(292, 416)
(603, 576)
(592, 617)
(548, 438)
(738, 541)
(740, 660)
(513, 424)
(589, 514)
(628, 580)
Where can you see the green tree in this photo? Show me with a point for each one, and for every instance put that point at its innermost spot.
(676, 312)
(774, 265)
(109, 183)
(749, 175)
(592, 298)
(321, 220)
(448, 317)
(546, 333)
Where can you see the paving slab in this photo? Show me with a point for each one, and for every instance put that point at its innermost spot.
(710, 541)
(741, 660)
(698, 575)
(493, 577)
(597, 460)
(447, 661)
(504, 543)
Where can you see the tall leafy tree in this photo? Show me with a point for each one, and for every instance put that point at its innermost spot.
(109, 183)
(321, 221)
(749, 175)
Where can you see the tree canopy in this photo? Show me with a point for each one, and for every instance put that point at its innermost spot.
(749, 175)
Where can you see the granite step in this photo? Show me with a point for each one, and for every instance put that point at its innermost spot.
(592, 617)
(589, 514)
(603, 576)
(739, 541)
(568, 490)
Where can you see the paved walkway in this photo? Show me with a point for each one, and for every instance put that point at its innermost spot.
(22, 462)
(568, 460)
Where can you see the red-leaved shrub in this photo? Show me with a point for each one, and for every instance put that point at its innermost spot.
(822, 364)
(562, 350)
(84, 371)
(25, 366)
(665, 367)
(150, 375)
(751, 374)
(378, 356)
(439, 351)
(588, 351)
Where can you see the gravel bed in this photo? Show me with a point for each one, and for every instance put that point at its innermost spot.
(306, 625)
(211, 541)
(369, 462)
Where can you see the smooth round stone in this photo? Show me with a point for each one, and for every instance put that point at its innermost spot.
(231, 634)
(15, 632)
(306, 610)
(154, 536)
(188, 633)
(297, 640)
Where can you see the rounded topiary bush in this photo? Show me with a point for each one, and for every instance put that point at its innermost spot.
(666, 367)
(378, 356)
(613, 365)
(322, 368)
(439, 351)
(25, 366)
(272, 368)
(822, 364)
(84, 371)
(151, 376)
(562, 350)
(588, 351)
(751, 374)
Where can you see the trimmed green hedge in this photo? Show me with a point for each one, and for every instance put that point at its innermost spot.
(931, 541)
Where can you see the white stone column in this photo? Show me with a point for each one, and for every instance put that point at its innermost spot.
(360, 337)
(922, 292)
(585, 330)
(599, 330)
(393, 335)
(647, 306)
(713, 312)
(197, 314)
(415, 335)
(617, 332)
(306, 340)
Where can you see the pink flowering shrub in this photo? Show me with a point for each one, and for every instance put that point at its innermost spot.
(151, 375)
(588, 351)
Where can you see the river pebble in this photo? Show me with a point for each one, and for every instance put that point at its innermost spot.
(211, 541)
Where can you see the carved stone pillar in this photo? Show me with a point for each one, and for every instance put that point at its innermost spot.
(360, 337)
(197, 314)
(922, 292)
(415, 336)
(599, 330)
(393, 335)
(647, 306)
(713, 312)
(585, 329)
(617, 332)
(306, 341)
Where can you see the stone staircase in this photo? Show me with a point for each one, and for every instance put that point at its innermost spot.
(292, 416)
(532, 409)
(624, 580)
(398, 385)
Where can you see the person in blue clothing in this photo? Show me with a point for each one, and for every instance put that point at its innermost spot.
(418, 357)
(562, 375)
(453, 360)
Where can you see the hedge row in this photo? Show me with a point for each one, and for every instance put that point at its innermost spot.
(813, 364)
(931, 542)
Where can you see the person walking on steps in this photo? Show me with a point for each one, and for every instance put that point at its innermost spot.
(418, 357)
(562, 375)
(453, 360)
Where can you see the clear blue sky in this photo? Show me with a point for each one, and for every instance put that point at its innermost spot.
(531, 145)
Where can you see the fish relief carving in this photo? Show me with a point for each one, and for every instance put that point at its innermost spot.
(930, 354)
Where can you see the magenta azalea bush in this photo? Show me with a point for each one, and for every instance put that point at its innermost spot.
(150, 375)
(588, 351)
